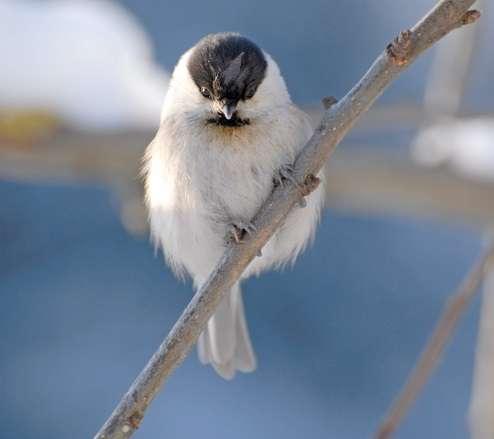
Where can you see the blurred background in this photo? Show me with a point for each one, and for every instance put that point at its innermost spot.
(85, 300)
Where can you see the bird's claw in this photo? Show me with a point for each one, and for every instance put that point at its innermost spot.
(238, 229)
(285, 173)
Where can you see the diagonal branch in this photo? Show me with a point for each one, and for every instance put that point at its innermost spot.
(431, 355)
(337, 121)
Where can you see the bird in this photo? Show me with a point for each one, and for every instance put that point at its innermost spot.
(229, 133)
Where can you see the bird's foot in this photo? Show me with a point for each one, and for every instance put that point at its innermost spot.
(238, 229)
(284, 174)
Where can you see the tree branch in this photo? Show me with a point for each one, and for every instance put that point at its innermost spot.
(384, 183)
(337, 121)
(427, 362)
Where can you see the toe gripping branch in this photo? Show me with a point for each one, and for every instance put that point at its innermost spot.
(400, 50)
(238, 230)
(286, 173)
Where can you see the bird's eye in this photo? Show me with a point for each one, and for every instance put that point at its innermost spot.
(205, 92)
(249, 94)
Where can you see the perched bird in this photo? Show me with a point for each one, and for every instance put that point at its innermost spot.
(228, 133)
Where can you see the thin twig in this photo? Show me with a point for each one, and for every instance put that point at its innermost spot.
(337, 121)
(429, 358)
(481, 416)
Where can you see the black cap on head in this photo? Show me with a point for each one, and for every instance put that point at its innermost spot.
(227, 67)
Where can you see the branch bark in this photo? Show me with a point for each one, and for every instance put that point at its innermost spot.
(337, 121)
(427, 362)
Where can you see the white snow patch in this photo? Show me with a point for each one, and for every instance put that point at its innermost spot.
(87, 61)
(467, 145)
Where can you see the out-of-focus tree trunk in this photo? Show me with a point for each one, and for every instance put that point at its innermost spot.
(482, 402)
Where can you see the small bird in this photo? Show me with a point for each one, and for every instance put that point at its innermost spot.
(229, 132)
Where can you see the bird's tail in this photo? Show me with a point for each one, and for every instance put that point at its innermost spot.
(225, 342)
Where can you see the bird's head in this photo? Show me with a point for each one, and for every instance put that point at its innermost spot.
(227, 80)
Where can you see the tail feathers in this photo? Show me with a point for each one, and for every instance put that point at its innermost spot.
(225, 342)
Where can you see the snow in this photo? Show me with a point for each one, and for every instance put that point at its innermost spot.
(87, 61)
(466, 145)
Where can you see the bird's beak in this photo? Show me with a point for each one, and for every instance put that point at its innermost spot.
(228, 110)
